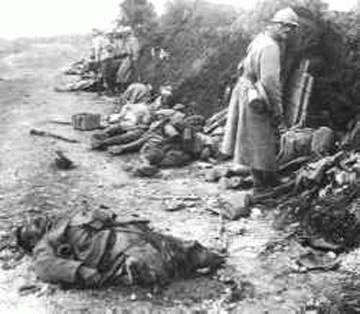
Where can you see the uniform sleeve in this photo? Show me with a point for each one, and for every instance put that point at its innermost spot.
(52, 268)
(270, 68)
(124, 111)
(146, 116)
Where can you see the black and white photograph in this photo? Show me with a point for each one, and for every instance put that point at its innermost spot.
(180, 156)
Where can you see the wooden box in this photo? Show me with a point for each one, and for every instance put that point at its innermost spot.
(86, 121)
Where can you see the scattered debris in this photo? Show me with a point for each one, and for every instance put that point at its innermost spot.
(174, 205)
(316, 260)
(323, 197)
(29, 289)
(63, 162)
(231, 206)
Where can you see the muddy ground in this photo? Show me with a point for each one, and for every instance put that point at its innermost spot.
(266, 279)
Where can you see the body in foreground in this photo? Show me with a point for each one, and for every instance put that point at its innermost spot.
(93, 249)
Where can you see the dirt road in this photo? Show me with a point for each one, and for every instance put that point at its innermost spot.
(29, 183)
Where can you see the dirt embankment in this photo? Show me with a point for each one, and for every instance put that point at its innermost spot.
(29, 184)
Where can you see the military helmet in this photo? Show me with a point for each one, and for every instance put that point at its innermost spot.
(31, 231)
(286, 16)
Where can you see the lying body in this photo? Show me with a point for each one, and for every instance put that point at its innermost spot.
(94, 249)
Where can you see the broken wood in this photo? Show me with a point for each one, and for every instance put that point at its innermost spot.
(215, 121)
(130, 221)
(49, 134)
(272, 193)
(294, 164)
(314, 173)
(62, 122)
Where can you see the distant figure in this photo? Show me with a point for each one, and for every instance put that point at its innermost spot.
(110, 63)
(133, 119)
(97, 44)
(97, 55)
(127, 71)
(119, 66)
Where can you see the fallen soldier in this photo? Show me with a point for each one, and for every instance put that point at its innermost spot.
(172, 140)
(130, 123)
(92, 249)
(163, 132)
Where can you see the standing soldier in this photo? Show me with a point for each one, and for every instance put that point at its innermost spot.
(97, 47)
(129, 52)
(120, 62)
(255, 107)
(97, 43)
(110, 62)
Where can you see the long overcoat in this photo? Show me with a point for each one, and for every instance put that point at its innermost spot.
(251, 134)
(99, 243)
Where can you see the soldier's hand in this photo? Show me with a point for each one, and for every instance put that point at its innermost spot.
(90, 277)
(277, 121)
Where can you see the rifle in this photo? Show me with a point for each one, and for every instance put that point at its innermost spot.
(49, 134)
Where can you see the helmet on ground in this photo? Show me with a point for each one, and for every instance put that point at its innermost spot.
(31, 231)
(286, 16)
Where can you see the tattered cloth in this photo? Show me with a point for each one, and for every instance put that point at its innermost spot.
(136, 93)
(153, 150)
(197, 122)
(326, 202)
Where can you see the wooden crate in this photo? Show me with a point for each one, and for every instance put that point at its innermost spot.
(86, 121)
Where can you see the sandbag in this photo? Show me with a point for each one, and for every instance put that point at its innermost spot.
(294, 143)
(297, 143)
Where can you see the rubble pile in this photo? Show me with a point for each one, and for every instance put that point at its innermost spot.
(325, 202)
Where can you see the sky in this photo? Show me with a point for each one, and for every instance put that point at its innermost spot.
(29, 18)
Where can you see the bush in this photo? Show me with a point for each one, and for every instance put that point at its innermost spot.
(207, 41)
